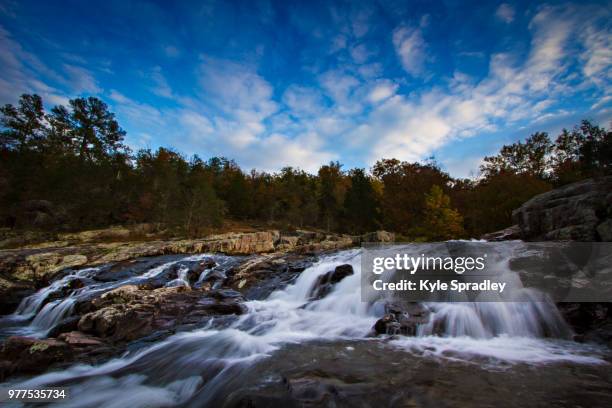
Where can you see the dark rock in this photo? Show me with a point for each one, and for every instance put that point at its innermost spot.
(591, 321)
(324, 283)
(222, 294)
(78, 339)
(312, 390)
(402, 318)
(11, 296)
(579, 212)
(67, 325)
(29, 355)
(130, 312)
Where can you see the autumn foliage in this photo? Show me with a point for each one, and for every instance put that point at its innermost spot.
(74, 158)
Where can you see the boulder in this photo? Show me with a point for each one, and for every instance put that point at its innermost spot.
(591, 321)
(78, 339)
(579, 211)
(324, 283)
(29, 355)
(131, 312)
(402, 318)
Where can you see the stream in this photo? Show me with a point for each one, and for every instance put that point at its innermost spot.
(292, 351)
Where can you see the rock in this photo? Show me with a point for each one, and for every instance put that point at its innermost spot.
(35, 266)
(312, 391)
(605, 230)
(579, 211)
(118, 322)
(324, 283)
(592, 321)
(402, 318)
(29, 355)
(78, 339)
(11, 294)
(130, 312)
(378, 236)
(510, 233)
(69, 324)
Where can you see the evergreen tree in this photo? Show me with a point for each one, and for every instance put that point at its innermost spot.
(361, 212)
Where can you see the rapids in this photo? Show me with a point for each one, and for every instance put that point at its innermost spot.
(200, 367)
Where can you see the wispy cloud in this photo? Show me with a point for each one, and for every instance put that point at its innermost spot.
(356, 89)
(411, 49)
(505, 12)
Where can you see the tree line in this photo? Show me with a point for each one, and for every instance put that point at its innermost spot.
(73, 162)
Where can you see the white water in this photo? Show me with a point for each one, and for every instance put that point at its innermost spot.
(170, 372)
(45, 315)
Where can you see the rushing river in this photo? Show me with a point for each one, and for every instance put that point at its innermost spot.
(287, 349)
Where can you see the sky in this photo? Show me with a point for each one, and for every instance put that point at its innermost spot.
(281, 83)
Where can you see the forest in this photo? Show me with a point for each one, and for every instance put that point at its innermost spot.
(72, 165)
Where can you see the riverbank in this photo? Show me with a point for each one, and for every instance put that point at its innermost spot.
(26, 269)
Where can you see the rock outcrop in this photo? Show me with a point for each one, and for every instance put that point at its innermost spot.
(326, 282)
(402, 318)
(25, 355)
(129, 312)
(580, 211)
(24, 270)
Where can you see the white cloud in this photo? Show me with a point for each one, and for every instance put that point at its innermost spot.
(161, 86)
(81, 80)
(410, 127)
(303, 101)
(23, 72)
(236, 86)
(360, 53)
(597, 54)
(382, 91)
(411, 49)
(505, 12)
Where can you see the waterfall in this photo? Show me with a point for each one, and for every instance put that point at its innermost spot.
(53, 313)
(31, 305)
(203, 363)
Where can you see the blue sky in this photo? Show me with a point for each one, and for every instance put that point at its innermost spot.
(282, 83)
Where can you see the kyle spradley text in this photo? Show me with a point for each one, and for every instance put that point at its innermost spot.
(437, 285)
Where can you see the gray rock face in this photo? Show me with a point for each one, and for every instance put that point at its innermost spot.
(578, 212)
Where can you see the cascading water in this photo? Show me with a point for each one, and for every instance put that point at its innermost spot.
(52, 304)
(199, 366)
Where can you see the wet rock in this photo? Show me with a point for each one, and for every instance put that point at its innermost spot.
(29, 355)
(78, 339)
(130, 312)
(592, 322)
(314, 390)
(402, 318)
(67, 325)
(579, 211)
(11, 294)
(259, 276)
(324, 283)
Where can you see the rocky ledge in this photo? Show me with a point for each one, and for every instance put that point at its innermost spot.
(107, 324)
(26, 269)
(579, 211)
